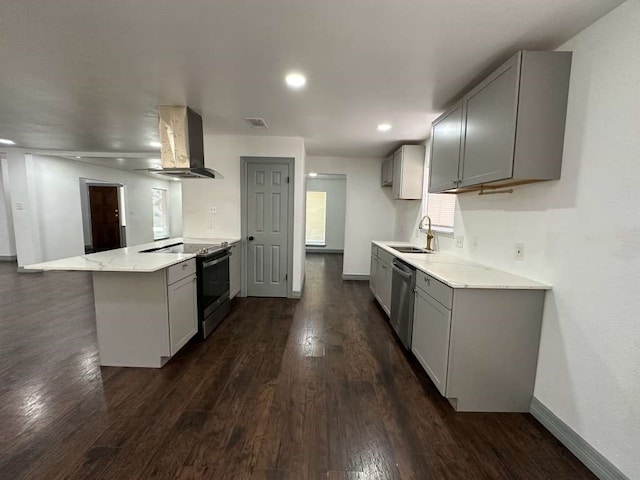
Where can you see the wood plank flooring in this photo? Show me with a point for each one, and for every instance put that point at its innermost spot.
(315, 388)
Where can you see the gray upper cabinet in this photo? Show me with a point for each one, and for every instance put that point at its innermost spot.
(512, 126)
(408, 172)
(490, 127)
(387, 172)
(446, 135)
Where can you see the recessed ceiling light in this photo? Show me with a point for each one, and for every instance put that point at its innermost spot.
(384, 127)
(121, 160)
(5, 141)
(155, 144)
(295, 80)
(312, 174)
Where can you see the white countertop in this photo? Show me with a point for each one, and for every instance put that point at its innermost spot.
(128, 259)
(460, 273)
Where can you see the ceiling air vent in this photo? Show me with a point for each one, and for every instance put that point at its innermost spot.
(257, 123)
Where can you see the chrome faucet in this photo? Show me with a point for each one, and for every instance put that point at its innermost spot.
(429, 232)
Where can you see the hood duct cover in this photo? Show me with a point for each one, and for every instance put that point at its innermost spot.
(182, 153)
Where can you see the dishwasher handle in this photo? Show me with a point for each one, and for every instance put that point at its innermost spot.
(401, 272)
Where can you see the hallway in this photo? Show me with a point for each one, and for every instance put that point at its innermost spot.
(315, 388)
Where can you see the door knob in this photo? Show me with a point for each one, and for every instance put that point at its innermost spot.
(250, 238)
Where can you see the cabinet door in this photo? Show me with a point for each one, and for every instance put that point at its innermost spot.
(373, 274)
(387, 172)
(490, 126)
(235, 268)
(397, 174)
(446, 138)
(183, 313)
(385, 286)
(430, 341)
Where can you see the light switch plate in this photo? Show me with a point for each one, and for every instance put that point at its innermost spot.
(459, 241)
(519, 251)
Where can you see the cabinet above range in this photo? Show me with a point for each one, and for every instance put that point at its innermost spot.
(507, 130)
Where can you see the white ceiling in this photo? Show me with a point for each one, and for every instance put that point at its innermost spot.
(88, 75)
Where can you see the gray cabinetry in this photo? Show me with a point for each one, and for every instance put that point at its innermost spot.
(144, 318)
(408, 172)
(183, 316)
(512, 126)
(490, 127)
(430, 342)
(446, 140)
(380, 277)
(478, 346)
(387, 172)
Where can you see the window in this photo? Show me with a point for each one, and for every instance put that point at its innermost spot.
(316, 218)
(160, 214)
(440, 207)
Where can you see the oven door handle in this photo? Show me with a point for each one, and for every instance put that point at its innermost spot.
(216, 261)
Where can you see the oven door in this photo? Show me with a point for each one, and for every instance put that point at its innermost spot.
(215, 284)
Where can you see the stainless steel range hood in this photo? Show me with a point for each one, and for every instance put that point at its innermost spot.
(182, 151)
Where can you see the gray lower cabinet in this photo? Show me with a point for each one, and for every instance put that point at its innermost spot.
(183, 315)
(380, 277)
(144, 318)
(508, 129)
(478, 346)
(430, 342)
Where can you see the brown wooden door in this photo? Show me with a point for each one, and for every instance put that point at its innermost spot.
(105, 217)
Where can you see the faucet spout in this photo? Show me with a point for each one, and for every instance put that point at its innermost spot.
(430, 235)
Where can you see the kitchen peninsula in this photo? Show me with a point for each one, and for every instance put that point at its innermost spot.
(145, 304)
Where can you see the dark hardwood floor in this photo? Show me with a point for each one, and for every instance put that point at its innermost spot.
(284, 389)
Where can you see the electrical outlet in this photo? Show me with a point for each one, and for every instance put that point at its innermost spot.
(213, 210)
(459, 241)
(210, 224)
(474, 243)
(519, 251)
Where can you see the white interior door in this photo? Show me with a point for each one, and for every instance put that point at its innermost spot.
(267, 229)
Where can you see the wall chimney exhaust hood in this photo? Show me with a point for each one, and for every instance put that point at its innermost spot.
(182, 153)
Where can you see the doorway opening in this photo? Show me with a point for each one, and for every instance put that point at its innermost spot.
(103, 215)
(326, 211)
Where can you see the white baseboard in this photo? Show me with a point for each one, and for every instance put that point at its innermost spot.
(594, 460)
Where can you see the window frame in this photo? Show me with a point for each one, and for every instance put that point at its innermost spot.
(324, 230)
(166, 232)
(426, 196)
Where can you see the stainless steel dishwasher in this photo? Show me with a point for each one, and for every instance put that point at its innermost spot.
(403, 286)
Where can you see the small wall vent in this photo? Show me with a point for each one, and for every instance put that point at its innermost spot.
(258, 123)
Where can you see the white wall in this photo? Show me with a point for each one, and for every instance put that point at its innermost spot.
(582, 235)
(7, 238)
(57, 188)
(370, 209)
(335, 187)
(222, 153)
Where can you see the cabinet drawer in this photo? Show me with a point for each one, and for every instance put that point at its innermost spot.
(374, 250)
(438, 290)
(385, 256)
(180, 270)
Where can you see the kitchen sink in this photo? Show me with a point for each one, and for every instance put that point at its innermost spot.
(405, 249)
